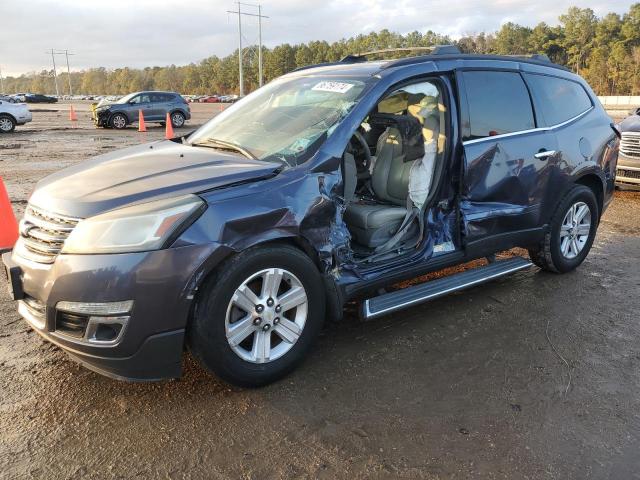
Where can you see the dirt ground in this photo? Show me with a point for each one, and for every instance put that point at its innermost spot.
(534, 376)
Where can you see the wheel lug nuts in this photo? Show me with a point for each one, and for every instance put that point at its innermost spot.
(257, 321)
(270, 302)
(276, 320)
(278, 309)
(259, 308)
(266, 327)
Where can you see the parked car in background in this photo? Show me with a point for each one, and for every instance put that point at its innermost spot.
(154, 106)
(12, 114)
(39, 98)
(628, 171)
(8, 98)
(210, 99)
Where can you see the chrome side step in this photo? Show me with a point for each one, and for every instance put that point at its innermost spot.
(410, 296)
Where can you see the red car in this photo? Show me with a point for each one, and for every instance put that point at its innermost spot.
(210, 99)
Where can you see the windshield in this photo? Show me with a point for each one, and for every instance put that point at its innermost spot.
(286, 121)
(126, 98)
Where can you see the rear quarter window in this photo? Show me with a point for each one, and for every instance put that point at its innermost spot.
(557, 100)
(498, 102)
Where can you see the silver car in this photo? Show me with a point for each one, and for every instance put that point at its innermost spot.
(12, 114)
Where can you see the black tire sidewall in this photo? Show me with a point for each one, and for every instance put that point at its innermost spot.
(207, 337)
(13, 124)
(578, 193)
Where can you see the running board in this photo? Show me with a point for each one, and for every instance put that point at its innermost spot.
(410, 296)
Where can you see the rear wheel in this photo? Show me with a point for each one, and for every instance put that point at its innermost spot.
(118, 121)
(258, 315)
(7, 124)
(177, 119)
(571, 233)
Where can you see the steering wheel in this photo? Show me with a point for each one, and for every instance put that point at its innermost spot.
(363, 148)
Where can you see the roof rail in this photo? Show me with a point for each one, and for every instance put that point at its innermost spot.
(435, 50)
(541, 57)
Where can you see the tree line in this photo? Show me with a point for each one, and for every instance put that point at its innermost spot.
(606, 51)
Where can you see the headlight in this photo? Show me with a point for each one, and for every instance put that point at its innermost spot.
(148, 226)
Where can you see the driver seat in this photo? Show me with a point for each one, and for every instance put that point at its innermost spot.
(372, 224)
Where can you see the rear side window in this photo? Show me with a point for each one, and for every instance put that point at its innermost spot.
(498, 102)
(557, 100)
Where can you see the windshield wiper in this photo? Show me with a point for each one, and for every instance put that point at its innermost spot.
(222, 145)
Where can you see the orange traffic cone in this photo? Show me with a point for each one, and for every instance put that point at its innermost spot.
(141, 126)
(8, 223)
(168, 133)
(72, 114)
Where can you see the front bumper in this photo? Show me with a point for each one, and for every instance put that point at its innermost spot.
(161, 284)
(628, 171)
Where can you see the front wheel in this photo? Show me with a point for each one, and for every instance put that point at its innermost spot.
(571, 232)
(118, 121)
(257, 316)
(7, 124)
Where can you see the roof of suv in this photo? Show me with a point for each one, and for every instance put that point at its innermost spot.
(358, 65)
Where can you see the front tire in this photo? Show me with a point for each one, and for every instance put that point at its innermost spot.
(7, 124)
(118, 121)
(571, 232)
(257, 315)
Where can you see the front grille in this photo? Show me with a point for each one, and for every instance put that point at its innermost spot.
(621, 172)
(630, 144)
(42, 234)
(71, 324)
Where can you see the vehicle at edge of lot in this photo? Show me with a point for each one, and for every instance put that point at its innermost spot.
(12, 114)
(154, 106)
(39, 98)
(628, 170)
(209, 99)
(325, 186)
(8, 98)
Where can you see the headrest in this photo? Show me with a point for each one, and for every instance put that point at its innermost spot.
(410, 130)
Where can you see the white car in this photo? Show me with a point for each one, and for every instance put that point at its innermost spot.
(12, 114)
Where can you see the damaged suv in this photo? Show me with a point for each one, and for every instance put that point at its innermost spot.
(325, 186)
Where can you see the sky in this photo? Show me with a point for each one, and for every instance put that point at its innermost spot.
(140, 33)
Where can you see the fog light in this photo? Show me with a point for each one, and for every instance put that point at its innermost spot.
(93, 323)
(106, 308)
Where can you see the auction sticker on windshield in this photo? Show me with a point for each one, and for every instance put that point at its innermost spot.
(336, 87)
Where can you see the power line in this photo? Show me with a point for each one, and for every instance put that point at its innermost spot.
(260, 17)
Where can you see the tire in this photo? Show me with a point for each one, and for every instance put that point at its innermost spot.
(7, 124)
(557, 252)
(118, 121)
(177, 119)
(210, 332)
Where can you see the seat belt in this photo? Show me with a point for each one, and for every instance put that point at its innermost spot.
(411, 214)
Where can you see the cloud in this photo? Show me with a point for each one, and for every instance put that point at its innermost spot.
(139, 33)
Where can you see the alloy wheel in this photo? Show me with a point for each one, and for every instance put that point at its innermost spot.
(575, 229)
(266, 315)
(6, 125)
(177, 119)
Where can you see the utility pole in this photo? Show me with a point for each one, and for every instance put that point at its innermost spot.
(1, 82)
(55, 75)
(260, 17)
(259, 45)
(66, 54)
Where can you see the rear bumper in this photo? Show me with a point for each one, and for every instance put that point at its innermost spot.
(23, 118)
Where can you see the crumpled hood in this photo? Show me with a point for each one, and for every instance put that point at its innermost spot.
(143, 173)
(630, 124)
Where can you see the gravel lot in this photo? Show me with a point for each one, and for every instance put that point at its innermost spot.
(470, 386)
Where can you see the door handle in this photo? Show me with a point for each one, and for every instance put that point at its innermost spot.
(544, 154)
